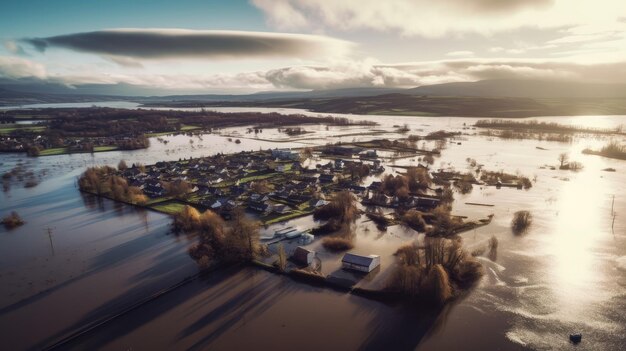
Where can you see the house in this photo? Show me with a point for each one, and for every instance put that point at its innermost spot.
(281, 209)
(258, 197)
(237, 190)
(227, 209)
(426, 202)
(216, 204)
(154, 191)
(357, 188)
(285, 154)
(369, 154)
(327, 178)
(263, 207)
(132, 172)
(303, 256)
(317, 203)
(375, 185)
(360, 263)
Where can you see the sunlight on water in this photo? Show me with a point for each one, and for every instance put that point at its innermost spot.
(579, 228)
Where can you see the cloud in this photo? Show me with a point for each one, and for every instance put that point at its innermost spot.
(437, 18)
(341, 74)
(15, 68)
(462, 53)
(199, 44)
(434, 72)
(13, 48)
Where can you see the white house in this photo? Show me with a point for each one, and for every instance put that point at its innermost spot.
(360, 263)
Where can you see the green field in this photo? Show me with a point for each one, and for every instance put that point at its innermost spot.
(186, 127)
(54, 151)
(171, 208)
(65, 150)
(105, 148)
(158, 200)
(8, 128)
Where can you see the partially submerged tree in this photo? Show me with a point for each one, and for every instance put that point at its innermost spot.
(414, 220)
(434, 271)
(12, 220)
(306, 153)
(563, 158)
(521, 222)
(122, 165)
(342, 208)
(188, 219)
(234, 242)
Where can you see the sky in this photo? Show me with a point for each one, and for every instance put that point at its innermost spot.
(240, 46)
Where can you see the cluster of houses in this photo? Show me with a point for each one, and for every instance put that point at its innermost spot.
(224, 182)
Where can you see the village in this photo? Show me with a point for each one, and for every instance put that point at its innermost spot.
(272, 183)
(276, 187)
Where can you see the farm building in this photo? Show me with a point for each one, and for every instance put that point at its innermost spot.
(303, 256)
(360, 263)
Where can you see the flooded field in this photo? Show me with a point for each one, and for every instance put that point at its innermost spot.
(566, 274)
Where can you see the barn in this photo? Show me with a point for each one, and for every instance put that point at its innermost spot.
(360, 263)
(303, 256)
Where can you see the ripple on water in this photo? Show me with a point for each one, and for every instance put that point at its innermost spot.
(621, 263)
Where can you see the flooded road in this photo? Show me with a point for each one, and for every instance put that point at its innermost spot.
(567, 274)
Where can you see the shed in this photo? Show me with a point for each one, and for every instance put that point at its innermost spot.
(360, 263)
(303, 256)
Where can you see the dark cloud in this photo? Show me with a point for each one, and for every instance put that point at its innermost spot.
(179, 43)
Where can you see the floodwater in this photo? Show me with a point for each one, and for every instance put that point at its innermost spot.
(567, 274)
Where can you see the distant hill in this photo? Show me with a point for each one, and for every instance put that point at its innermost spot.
(277, 95)
(18, 98)
(523, 89)
(487, 98)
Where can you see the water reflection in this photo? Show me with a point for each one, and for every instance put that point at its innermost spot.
(579, 227)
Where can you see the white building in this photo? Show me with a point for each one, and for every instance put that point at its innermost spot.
(360, 263)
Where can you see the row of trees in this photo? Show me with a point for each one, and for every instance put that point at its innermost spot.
(434, 270)
(340, 213)
(104, 181)
(234, 242)
(415, 180)
(436, 223)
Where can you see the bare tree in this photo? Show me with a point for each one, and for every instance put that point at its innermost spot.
(282, 257)
(122, 165)
(563, 158)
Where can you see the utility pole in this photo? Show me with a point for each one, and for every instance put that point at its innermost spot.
(613, 214)
(613, 205)
(49, 231)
